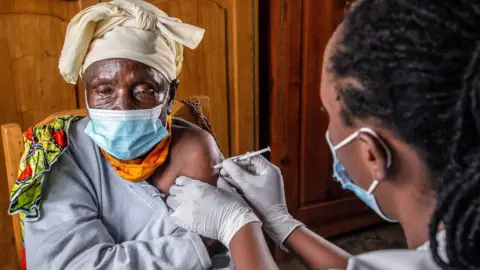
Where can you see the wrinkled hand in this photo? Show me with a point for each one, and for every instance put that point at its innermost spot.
(217, 213)
(262, 185)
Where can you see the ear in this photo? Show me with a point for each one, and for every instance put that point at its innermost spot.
(375, 156)
(172, 94)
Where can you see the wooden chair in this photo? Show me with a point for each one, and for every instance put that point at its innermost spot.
(12, 138)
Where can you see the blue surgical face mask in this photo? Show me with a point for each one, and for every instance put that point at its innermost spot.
(126, 134)
(342, 176)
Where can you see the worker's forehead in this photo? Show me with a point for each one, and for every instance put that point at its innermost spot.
(329, 85)
(334, 43)
(332, 85)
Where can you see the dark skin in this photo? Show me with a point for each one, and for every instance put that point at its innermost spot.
(123, 84)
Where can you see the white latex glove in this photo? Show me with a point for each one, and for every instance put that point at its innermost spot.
(262, 184)
(216, 213)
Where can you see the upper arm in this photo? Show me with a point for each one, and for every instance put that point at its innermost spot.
(67, 194)
(68, 206)
(200, 153)
(193, 154)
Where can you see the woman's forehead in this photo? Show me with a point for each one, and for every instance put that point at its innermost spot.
(109, 69)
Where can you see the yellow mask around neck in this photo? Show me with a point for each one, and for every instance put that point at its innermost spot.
(140, 169)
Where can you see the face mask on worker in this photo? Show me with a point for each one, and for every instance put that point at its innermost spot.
(342, 176)
(126, 134)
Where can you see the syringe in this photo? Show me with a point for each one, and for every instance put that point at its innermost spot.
(245, 156)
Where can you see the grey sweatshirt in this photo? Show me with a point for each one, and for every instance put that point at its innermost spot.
(93, 219)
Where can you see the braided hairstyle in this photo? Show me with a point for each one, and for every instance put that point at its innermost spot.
(418, 64)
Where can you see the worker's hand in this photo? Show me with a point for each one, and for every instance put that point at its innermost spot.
(262, 184)
(216, 213)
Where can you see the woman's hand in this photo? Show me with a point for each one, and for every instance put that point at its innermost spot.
(262, 184)
(216, 213)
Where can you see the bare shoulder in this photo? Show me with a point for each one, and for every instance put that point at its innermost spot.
(194, 153)
(194, 141)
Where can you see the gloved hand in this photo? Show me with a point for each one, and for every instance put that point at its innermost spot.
(262, 184)
(217, 213)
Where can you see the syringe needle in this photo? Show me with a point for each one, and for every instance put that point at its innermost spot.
(245, 156)
(249, 155)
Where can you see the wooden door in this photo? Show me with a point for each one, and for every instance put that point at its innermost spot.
(223, 67)
(299, 32)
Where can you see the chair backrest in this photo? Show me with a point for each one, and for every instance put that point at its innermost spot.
(12, 138)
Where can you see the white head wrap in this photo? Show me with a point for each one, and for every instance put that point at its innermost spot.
(131, 29)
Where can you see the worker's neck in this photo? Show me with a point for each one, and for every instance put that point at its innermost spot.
(414, 197)
(415, 219)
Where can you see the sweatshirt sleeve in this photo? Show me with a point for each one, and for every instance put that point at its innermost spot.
(393, 259)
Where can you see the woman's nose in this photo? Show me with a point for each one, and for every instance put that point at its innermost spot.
(123, 100)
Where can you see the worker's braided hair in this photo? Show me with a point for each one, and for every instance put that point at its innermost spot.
(418, 63)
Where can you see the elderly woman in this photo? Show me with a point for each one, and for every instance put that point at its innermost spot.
(101, 203)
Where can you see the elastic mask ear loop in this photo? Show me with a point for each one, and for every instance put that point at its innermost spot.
(371, 132)
(84, 88)
(384, 145)
(163, 107)
(86, 99)
(375, 183)
(373, 186)
(350, 138)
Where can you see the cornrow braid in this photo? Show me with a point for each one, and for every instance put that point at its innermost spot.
(418, 63)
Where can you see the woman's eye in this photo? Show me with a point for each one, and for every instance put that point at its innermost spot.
(144, 91)
(103, 90)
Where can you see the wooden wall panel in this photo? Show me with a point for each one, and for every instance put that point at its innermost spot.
(285, 31)
(315, 157)
(31, 44)
(31, 38)
(320, 20)
(244, 55)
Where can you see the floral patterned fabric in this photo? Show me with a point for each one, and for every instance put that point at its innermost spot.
(43, 146)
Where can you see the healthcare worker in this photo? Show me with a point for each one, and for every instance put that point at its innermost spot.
(401, 85)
